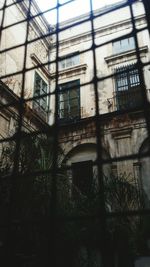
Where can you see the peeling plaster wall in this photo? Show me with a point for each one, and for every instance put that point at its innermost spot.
(122, 135)
(13, 61)
(107, 27)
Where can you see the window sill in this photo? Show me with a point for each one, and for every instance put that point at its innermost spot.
(123, 57)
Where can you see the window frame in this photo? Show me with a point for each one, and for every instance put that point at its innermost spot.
(127, 87)
(67, 88)
(40, 92)
(67, 58)
(121, 47)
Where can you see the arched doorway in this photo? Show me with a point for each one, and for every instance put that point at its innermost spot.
(83, 170)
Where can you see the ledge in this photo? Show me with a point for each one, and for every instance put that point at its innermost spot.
(121, 133)
(111, 60)
(39, 63)
(78, 69)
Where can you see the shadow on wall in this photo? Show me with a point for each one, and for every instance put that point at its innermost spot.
(145, 171)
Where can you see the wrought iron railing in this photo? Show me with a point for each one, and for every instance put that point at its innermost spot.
(73, 115)
(125, 100)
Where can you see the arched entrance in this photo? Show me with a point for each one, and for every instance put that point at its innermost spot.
(83, 170)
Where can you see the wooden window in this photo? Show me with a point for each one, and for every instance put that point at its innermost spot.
(69, 100)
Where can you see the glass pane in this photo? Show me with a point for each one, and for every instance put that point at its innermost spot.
(63, 97)
(131, 43)
(69, 100)
(63, 106)
(43, 103)
(62, 64)
(74, 111)
(124, 45)
(37, 85)
(75, 60)
(73, 93)
(74, 102)
(69, 62)
(44, 87)
(116, 47)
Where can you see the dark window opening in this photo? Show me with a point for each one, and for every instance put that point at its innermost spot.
(82, 177)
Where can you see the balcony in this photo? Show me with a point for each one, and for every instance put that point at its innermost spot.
(126, 99)
(70, 115)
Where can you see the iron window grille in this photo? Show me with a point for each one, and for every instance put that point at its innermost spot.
(128, 87)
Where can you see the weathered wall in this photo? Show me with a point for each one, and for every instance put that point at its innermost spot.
(13, 57)
(107, 27)
(122, 135)
(12, 61)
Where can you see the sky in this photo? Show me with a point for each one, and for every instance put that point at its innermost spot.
(70, 10)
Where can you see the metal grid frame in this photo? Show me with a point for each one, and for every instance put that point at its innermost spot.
(54, 131)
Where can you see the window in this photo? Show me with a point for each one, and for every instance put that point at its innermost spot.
(82, 177)
(40, 88)
(68, 62)
(128, 92)
(123, 45)
(69, 100)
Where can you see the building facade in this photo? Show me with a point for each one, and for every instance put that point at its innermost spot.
(85, 83)
(122, 125)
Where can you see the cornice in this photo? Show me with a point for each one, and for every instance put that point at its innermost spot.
(37, 61)
(113, 59)
(121, 133)
(99, 32)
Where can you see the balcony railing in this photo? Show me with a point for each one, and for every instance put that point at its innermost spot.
(126, 99)
(72, 115)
